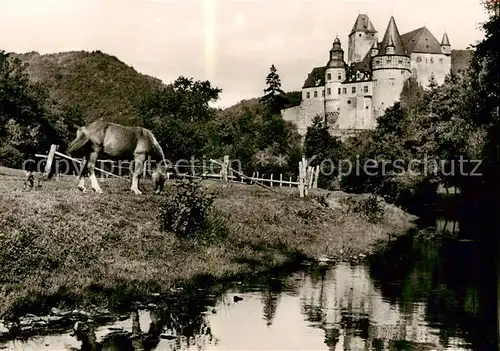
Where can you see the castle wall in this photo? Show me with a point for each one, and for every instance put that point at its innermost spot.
(291, 114)
(359, 45)
(303, 114)
(424, 65)
(356, 105)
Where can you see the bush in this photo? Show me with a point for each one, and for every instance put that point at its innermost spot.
(188, 212)
(370, 208)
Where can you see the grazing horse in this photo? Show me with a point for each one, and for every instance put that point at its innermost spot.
(116, 140)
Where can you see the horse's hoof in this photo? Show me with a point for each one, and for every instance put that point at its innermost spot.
(137, 192)
(98, 191)
(83, 190)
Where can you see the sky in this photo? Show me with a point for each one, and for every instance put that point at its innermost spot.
(230, 43)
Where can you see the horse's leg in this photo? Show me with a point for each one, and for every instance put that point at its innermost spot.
(139, 160)
(93, 179)
(81, 179)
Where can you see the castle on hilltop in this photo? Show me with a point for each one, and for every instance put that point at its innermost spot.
(351, 96)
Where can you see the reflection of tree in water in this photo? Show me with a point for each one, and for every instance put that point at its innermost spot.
(270, 299)
(180, 317)
(448, 277)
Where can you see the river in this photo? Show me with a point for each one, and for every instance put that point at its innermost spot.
(417, 295)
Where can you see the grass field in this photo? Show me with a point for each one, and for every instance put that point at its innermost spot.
(60, 247)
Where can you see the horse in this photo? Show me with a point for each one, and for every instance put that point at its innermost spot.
(116, 140)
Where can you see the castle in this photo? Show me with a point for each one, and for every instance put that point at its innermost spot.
(351, 96)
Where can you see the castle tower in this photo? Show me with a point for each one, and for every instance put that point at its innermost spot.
(335, 74)
(445, 45)
(362, 37)
(391, 67)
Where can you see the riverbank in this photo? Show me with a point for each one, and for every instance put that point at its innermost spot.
(65, 249)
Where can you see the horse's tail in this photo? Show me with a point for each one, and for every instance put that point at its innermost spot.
(157, 147)
(80, 140)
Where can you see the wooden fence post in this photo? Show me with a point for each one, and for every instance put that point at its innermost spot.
(225, 168)
(315, 184)
(50, 158)
(281, 180)
(290, 184)
(271, 182)
(310, 177)
(303, 177)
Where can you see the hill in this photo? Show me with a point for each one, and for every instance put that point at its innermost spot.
(99, 85)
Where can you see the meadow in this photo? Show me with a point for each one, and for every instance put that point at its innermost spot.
(63, 248)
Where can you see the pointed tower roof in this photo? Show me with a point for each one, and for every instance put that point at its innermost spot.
(445, 40)
(391, 42)
(393, 38)
(363, 24)
(421, 40)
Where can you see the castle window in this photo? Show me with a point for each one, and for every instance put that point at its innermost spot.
(377, 62)
(340, 77)
(339, 91)
(348, 102)
(419, 59)
(322, 93)
(315, 94)
(366, 88)
(344, 90)
(400, 62)
(391, 82)
(329, 91)
(389, 60)
(441, 60)
(354, 90)
(308, 95)
(329, 76)
(402, 72)
(432, 60)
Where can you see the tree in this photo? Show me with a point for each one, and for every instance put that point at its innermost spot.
(181, 117)
(323, 149)
(26, 125)
(274, 98)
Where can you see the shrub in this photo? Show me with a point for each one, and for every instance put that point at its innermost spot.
(188, 211)
(370, 208)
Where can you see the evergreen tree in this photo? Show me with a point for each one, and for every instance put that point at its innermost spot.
(274, 98)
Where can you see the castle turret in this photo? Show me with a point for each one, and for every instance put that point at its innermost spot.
(445, 45)
(362, 37)
(390, 49)
(391, 67)
(374, 50)
(335, 73)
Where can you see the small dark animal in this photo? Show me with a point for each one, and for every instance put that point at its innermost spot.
(29, 182)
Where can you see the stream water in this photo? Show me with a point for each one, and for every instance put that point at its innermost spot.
(418, 295)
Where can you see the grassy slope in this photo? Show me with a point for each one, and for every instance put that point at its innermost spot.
(100, 84)
(57, 244)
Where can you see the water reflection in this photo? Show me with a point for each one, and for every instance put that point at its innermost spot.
(416, 295)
